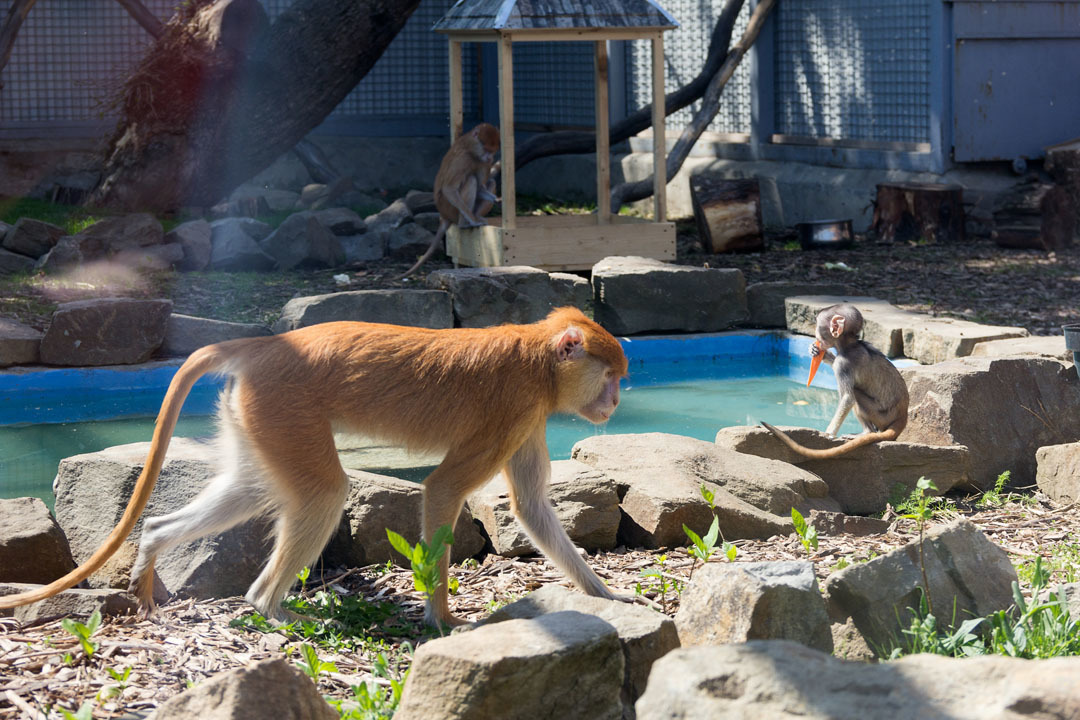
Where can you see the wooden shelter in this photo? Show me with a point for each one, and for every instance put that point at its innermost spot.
(562, 242)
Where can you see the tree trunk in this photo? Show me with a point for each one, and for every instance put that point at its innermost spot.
(223, 93)
(918, 211)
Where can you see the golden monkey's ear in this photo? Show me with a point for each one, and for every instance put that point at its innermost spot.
(570, 344)
(836, 325)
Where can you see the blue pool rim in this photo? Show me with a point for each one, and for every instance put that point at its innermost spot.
(31, 395)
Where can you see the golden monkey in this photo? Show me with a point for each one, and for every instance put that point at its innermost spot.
(865, 381)
(482, 396)
(464, 192)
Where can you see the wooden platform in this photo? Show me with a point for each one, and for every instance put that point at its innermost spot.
(560, 242)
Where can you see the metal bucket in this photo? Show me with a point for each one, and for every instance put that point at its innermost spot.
(825, 235)
(1072, 342)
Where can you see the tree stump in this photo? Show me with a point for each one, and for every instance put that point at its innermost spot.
(728, 213)
(1063, 164)
(913, 211)
(1034, 216)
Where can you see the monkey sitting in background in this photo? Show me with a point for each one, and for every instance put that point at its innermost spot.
(464, 190)
(865, 381)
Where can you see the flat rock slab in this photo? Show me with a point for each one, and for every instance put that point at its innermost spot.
(185, 334)
(106, 331)
(12, 263)
(33, 548)
(635, 295)
(864, 480)
(737, 602)
(19, 344)
(1052, 346)
(234, 245)
(1058, 472)
(659, 477)
(645, 635)
(585, 499)
(968, 576)
(779, 680)
(302, 241)
(514, 294)
(32, 238)
(70, 603)
(1002, 409)
(417, 308)
(897, 332)
(765, 300)
(565, 665)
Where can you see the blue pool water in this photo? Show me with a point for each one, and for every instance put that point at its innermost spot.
(688, 385)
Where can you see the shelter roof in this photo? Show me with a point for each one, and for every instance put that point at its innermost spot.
(502, 15)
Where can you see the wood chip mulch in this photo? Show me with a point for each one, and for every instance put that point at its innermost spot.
(42, 667)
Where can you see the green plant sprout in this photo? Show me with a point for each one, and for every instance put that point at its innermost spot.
(920, 514)
(662, 582)
(85, 712)
(312, 666)
(807, 533)
(117, 689)
(83, 632)
(371, 701)
(424, 559)
(703, 548)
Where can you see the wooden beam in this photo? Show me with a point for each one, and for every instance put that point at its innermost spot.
(506, 130)
(457, 115)
(603, 151)
(148, 20)
(658, 119)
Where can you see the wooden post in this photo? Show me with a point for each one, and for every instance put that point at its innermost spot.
(506, 130)
(603, 151)
(658, 119)
(457, 115)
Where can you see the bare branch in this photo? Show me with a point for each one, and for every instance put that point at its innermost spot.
(12, 23)
(144, 17)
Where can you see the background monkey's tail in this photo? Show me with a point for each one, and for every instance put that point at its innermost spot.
(889, 433)
(202, 361)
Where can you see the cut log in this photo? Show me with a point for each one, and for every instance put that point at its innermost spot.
(728, 213)
(1063, 164)
(911, 211)
(1035, 215)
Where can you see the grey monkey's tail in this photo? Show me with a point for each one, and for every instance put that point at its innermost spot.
(889, 433)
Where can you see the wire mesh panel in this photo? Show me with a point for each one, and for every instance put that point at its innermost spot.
(685, 50)
(554, 84)
(853, 69)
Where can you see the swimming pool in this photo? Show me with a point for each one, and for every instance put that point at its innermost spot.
(688, 385)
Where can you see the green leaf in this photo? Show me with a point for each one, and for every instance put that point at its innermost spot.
(399, 543)
(924, 483)
(443, 536)
(709, 495)
(714, 532)
(93, 623)
(730, 551)
(694, 537)
(798, 521)
(811, 536)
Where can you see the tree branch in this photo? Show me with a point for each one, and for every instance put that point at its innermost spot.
(710, 105)
(10, 30)
(144, 17)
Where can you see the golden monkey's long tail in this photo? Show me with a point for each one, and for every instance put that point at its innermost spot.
(202, 361)
(890, 433)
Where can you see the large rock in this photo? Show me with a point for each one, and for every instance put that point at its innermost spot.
(659, 477)
(898, 332)
(125, 238)
(863, 480)
(234, 245)
(408, 242)
(1058, 472)
(75, 602)
(565, 665)
(1002, 409)
(585, 501)
(363, 248)
(265, 689)
(516, 294)
(93, 489)
(765, 300)
(194, 239)
(417, 308)
(19, 344)
(738, 602)
(185, 334)
(106, 331)
(276, 200)
(783, 680)
(303, 242)
(32, 238)
(33, 548)
(343, 222)
(968, 576)
(1052, 346)
(376, 503)
(12, 263)
(420, 201)
(636, 295)
(389, 218)
(645, 635)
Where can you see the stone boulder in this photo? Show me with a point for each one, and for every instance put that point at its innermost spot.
(659, 477)
(637, 295)
(277, 200)
(429, 221)
(1058, 473)
(343, 222)
(408, 242)
(782, 680)
(864, 480)
(1002, 409)
(194, 239)
(19, 344)
(264, 689)
(93, 489)
(738, 602)
(302, 241)
(12, 263)
(968, 576)
(1052, 346)
(185, 334)
(645, 635)
(234, 245)
(565, 665)
(376, 503)
(388, 219)
(585, 501)
(105, 331)
(32, 238)
(835, 523)
(765, 300)
(420, 201)
(33, 548)
(417, 308)
(75, 602)
(897, 332)
(363, 248)
(516, 294)
(317, 196)
(133, 239)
